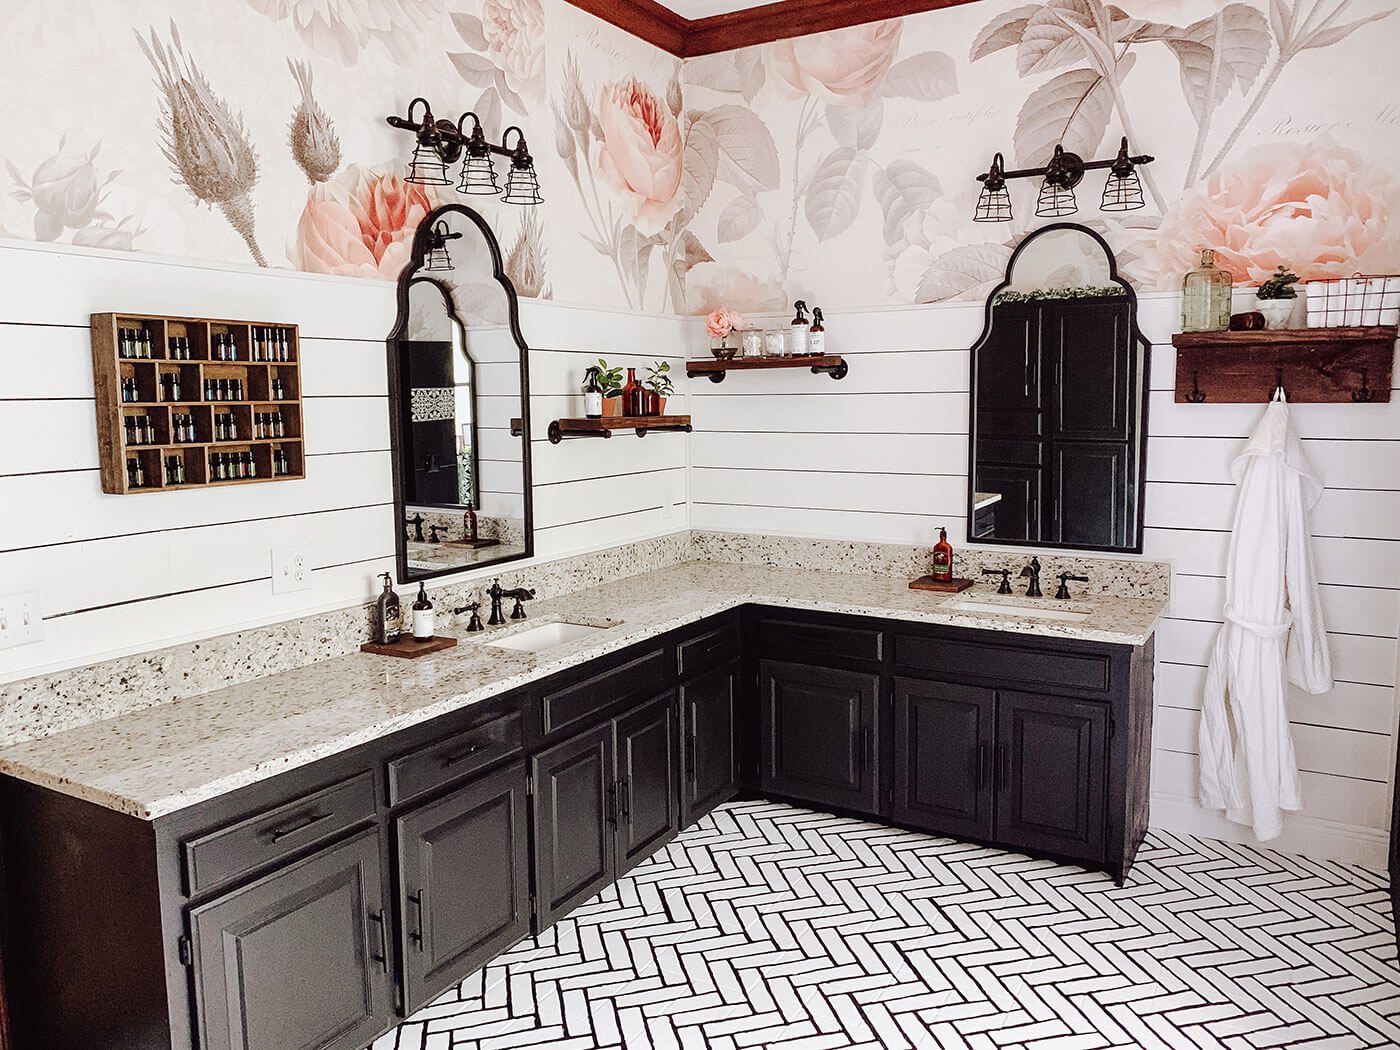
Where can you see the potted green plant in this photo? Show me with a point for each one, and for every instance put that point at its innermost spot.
(1277, 298)
(659, 387)
(610, 380)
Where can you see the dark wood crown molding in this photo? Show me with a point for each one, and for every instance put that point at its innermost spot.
(689, 38)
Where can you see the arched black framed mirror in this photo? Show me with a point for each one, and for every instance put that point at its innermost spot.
(459, 406)
(1058, 433)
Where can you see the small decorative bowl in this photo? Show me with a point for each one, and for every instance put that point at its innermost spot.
(723, 351)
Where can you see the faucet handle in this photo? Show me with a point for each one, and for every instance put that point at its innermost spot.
(1005, 586)
(1062, 592)
(521, 595)
(474, 624)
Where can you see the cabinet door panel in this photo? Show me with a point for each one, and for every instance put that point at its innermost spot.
(943, 738)
(709, 761)
(818, 734)
(574, 822)
(297, 960)
(647, 782)
(464, 882)
(1052, 758)
(1090, 494)
(1092, 345)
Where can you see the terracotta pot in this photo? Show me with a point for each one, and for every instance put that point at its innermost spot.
(658, 405)
(612, 406)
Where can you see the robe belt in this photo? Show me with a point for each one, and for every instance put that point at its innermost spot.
(1263, 630)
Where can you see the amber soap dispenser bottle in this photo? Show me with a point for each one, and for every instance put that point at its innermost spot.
(943, 558)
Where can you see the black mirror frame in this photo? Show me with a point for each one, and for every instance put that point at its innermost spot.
(1145, 387)
(411, 275)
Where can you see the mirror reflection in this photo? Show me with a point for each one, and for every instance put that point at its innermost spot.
(1058, 433)
(458, 376)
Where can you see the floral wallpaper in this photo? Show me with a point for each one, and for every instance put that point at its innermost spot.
(1274, 144)
(253, 130)
(838, 167)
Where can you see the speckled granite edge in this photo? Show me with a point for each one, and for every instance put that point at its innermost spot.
(1118, 577)
(151, 762)
(44, 704)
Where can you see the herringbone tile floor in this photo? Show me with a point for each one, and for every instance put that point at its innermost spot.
(771, 926)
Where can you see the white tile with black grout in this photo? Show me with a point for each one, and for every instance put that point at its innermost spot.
(766, 925)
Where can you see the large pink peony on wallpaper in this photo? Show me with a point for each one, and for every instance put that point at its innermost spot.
(1315, 207)
(360, 224)
(845, 67)
(640, 154)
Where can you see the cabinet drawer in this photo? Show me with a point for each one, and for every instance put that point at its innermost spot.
(453, 757)
(819, 639)
(707, 650)
(647, 674)
(221, 855)
(1021, 663)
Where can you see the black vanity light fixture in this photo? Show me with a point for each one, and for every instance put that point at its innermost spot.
(1122, 191)
(438, 144)
(438, 258)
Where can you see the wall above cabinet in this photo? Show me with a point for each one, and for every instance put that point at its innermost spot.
(192, 402)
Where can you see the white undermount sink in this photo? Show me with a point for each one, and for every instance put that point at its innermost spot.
(1035, 611)
(547, 636)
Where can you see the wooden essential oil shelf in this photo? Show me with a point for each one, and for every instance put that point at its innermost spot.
(715, 369)
(230, 415)
(603, 427)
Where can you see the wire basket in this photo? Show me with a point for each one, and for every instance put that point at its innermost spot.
(1364, 299)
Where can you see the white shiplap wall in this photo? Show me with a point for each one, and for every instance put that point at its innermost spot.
(120, 574)
(882, 456)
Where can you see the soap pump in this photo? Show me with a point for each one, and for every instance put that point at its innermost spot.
(943, 557)
(388, 613)
(424, 630)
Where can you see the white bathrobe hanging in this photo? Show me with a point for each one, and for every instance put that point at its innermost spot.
(1272, 634)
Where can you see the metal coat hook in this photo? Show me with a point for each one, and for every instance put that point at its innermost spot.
(1363, 394)
(1278, 384)
(1197, 395)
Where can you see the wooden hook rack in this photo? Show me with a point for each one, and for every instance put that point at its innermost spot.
(1313, 365)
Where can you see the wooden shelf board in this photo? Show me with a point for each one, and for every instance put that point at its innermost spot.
(607, 425)
(1285, 337)
(833, 365)
(1314, 365)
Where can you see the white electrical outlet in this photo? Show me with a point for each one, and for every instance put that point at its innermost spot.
(291, 569)
(21, 621)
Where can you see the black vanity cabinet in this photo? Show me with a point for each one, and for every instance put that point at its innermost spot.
(299, 959)
(709, 753)
(944, 735)
(464, 882)
(604, 800)
(819, 734)
(314, 909)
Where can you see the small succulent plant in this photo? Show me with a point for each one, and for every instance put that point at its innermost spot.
(1279, 286)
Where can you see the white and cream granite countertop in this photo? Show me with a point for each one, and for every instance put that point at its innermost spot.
(158, 760)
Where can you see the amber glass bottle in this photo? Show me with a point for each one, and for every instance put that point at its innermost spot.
(634, 402)
(943, 557)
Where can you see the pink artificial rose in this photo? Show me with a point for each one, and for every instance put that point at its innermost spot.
(723, 321)
(515, 39)
(360, 224)
(641, 151)
(843, 67)
(1318, 208)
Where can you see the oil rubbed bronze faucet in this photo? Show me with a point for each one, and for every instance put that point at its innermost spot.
(1032, 573)
(496, 594)
(417, 522)
(1004, 587)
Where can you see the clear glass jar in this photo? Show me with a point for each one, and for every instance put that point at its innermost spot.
(1205, 297)
(752, 342)
(775, 342)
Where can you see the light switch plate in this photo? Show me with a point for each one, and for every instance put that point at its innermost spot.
(291, 569)
(21, 620)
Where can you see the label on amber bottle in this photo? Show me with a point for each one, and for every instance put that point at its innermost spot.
(942, 565)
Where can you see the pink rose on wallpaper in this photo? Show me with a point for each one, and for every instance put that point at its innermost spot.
(844, 67)
(515, 39)
(640, 153)
(713, 287)
(344, 29)
(360, 224)
(1316, 207)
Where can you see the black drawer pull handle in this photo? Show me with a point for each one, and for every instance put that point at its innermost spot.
(624, 790)
(1003, 767)
(461, 756)
(611, 808)
(415, 935)
(311, 820)
(983, 762)
(383, 957)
